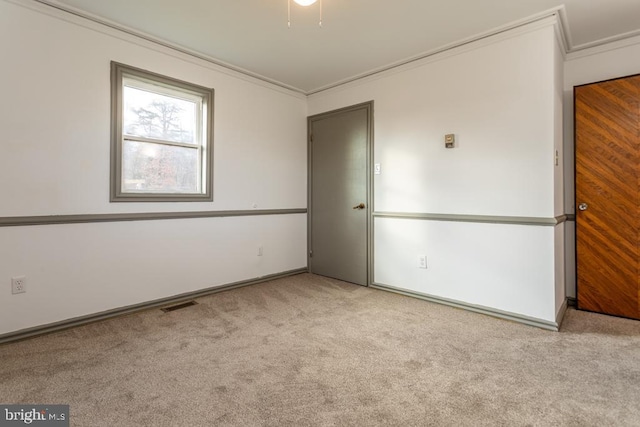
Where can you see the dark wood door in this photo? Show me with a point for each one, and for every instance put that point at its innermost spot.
(607, 141)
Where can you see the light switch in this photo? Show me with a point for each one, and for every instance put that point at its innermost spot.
(449, 140)
(377, 169)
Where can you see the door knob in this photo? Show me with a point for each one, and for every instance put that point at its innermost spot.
(360, 206)
(583, 206)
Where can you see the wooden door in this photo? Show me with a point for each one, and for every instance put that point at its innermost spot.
(340, 144)
(607, 143)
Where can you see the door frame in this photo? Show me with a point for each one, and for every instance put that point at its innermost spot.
(368, 106)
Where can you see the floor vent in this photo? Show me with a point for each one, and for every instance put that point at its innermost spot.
(178, 306)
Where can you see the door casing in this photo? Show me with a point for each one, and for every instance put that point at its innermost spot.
(369, 202)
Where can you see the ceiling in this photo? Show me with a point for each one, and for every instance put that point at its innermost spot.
(357, 36)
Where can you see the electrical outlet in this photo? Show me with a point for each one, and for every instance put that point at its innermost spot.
(18, 285)
(260, 251)
(422, 261)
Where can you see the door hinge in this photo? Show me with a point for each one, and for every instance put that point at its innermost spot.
(310, 254)
(311, 138)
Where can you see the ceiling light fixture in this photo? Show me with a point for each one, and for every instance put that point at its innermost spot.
(302, 3)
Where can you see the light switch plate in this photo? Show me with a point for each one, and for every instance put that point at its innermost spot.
(449, 140)
(377, 169)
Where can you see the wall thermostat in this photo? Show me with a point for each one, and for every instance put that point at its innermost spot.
(449, 140)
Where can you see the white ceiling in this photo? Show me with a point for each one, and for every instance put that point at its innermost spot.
(357, 37)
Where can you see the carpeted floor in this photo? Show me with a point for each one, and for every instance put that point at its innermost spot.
(308, 350)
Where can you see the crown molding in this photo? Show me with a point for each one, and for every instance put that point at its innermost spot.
(570, 51)
(607, 41)
(523, 26)
(96, 23)
(612, 43)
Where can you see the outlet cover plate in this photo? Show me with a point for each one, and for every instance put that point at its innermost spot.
(18, 285)
(422, 261)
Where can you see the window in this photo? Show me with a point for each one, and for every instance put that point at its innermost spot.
(161, 148)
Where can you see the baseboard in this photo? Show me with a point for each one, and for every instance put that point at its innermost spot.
(561, 312)
(91, 318)
(531, 321)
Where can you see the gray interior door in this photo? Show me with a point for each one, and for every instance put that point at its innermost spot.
(339, 194)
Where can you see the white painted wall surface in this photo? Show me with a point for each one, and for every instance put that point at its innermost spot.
(80, 269)
(606, 62)
(500, 266)
(558, 135)
(558, 179)
(499, 97)
(559, 252)
(498, 100)
(56, 129)
(54, 160)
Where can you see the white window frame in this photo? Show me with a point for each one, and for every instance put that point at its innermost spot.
(152, 82)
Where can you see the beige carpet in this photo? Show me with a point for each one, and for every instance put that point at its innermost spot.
(307, 350)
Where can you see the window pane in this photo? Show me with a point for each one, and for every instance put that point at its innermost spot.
(152, 115)
(158, 168)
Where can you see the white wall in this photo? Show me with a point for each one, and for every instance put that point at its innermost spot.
(54, 160)
(500, 98)
(558, 178)
(504, 267)
(56, 122)
(80, 269)
(610, 61)
(559, 250)
(558, 135)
